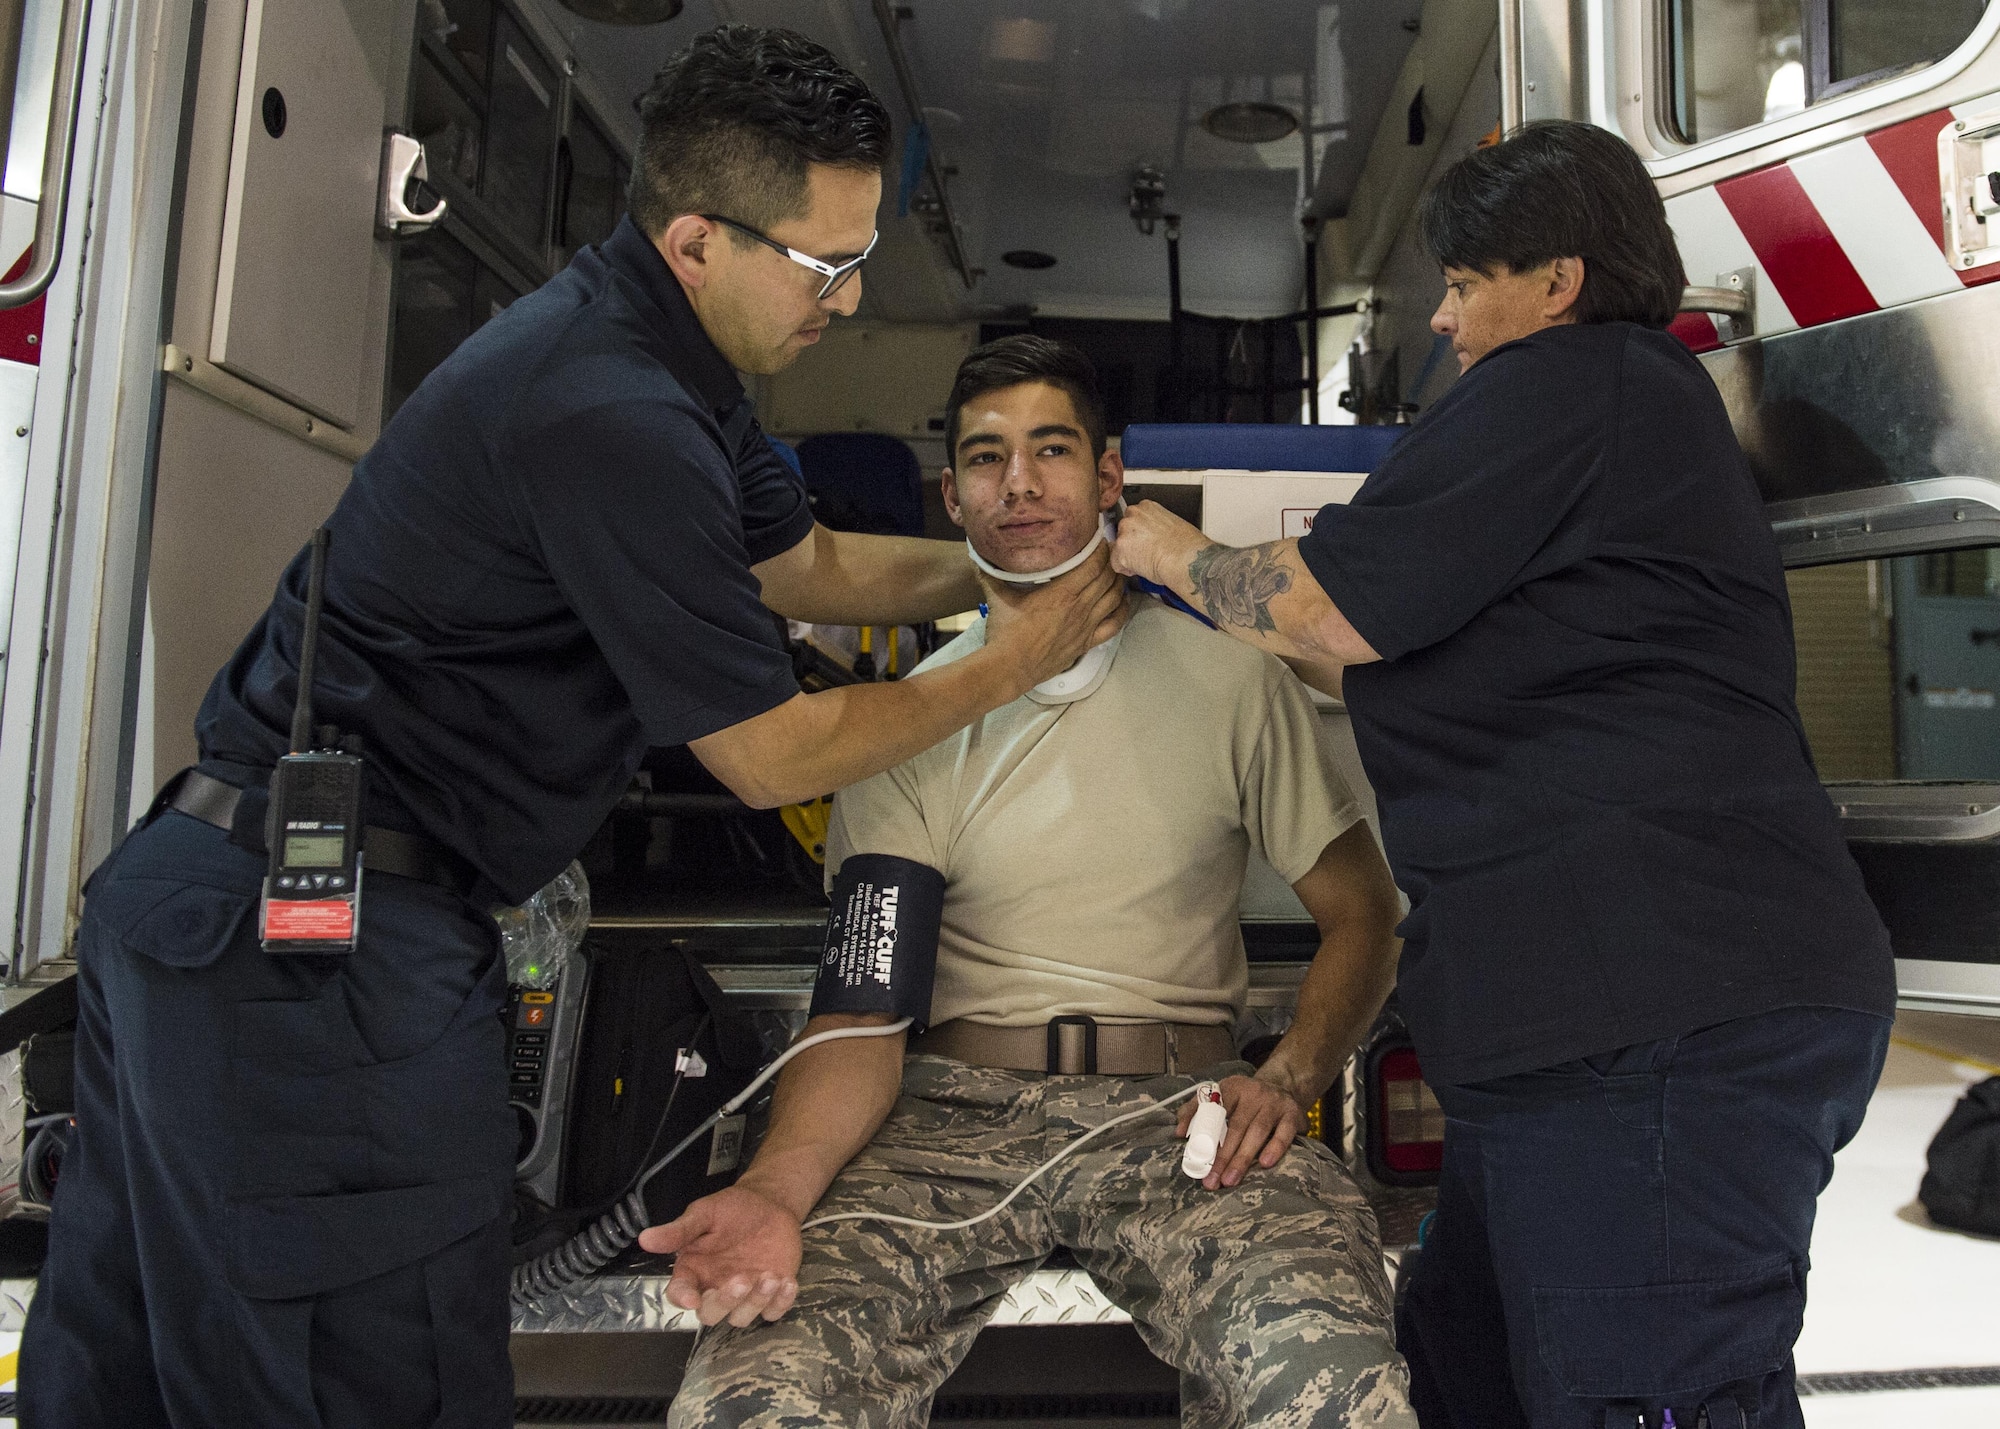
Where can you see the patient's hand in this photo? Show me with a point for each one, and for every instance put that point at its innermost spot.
(1263, 1122)
(736, 1257)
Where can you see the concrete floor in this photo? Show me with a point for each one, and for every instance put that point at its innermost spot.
(1889, 1290)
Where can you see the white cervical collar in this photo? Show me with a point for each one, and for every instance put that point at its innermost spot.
(1087, 673)
(1081, 679)
(1107, 530)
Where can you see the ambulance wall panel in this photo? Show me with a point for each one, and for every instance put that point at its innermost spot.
(204, 189)
(236, 499)
(298, 249)
(1408, 287)
(1454, 59)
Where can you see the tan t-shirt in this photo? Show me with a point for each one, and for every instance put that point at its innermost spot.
(1093, 851)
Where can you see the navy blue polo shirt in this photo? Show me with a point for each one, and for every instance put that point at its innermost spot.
(542, 568)
(1593, 782)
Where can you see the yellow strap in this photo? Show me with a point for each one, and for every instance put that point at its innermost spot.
(807, 823)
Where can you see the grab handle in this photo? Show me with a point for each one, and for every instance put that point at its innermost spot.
(52, 214)
(404, 164)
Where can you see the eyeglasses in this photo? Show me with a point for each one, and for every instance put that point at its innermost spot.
(835, 274)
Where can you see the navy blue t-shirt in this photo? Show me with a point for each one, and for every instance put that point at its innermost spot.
(1593, 782)
(542, 568)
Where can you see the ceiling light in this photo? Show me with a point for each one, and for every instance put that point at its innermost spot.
(1021, 41)
(1032, 259)
(625, 12)
(1250, 122)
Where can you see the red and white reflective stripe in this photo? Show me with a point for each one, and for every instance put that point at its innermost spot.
(1841, 231)
(1803, 259)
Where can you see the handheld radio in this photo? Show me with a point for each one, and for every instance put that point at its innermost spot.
(312, 891)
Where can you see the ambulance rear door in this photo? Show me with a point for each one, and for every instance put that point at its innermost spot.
(1829, 167)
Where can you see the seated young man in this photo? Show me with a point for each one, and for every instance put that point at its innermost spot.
(1093, 841)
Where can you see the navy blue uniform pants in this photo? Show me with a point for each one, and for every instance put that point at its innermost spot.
(1627, 1234)
(285, 1198)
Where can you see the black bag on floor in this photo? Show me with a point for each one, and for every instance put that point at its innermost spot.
(1962, 1187)
(629, 1104)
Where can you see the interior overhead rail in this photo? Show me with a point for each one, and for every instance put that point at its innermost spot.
(52, 213)
(889, 20)
(1512, 104)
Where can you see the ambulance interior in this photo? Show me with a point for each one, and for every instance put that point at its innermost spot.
(1214, 199)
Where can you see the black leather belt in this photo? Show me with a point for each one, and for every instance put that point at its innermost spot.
(382, 850)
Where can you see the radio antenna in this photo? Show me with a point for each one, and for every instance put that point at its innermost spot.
(302, 713)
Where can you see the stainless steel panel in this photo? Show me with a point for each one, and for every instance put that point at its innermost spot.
(235, 499)
(1923, 515)
(298, 240)
(1904, 812)
(1947, 987)
(1554, 84)
(1877, 434)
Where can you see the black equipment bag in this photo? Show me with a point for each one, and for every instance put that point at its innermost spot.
(628, 1103)
(1962, 1187)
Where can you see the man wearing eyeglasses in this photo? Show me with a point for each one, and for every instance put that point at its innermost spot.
(285, 1200)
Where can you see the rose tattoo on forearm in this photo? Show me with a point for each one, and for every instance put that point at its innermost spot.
(1238, 584)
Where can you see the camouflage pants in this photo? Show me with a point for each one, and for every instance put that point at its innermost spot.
(1269, 1296)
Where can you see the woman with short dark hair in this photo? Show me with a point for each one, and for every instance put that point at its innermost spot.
(1640, 968)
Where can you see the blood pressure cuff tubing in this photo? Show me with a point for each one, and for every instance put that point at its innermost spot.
(881, 939)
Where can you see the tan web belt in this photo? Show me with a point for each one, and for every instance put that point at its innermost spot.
(1071, 1045)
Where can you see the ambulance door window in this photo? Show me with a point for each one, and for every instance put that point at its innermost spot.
(521, 136)
(1736, 63)
(1870, 40)
(1899, 666)
(1948, 664)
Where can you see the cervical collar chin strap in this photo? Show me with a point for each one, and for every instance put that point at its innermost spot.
(1105, 531)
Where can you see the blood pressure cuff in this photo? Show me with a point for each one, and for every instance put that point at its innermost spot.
(881, 939)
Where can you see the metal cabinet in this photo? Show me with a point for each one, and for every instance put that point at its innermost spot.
(530, 175)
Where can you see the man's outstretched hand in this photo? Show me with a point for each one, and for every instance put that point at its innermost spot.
(736, 1257)
(1264, 1120)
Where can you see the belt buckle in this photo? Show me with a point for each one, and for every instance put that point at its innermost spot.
(1054, 1063)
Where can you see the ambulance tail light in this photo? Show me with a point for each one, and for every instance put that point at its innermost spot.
(1405, 1131)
